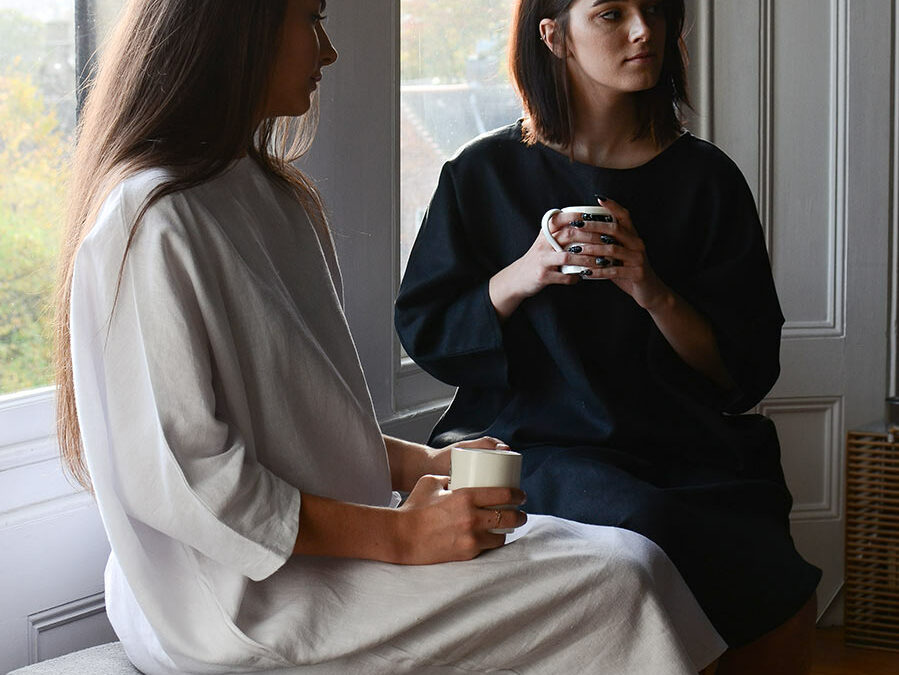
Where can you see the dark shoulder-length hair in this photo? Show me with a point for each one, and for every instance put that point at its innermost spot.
(542, 78)
(181, 84)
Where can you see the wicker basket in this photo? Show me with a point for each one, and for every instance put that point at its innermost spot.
(872, 539)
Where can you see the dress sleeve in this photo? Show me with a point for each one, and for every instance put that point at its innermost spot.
(175, 462)
(733, 288)
(444, 317)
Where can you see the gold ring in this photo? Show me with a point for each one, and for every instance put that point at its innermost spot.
(499, 515)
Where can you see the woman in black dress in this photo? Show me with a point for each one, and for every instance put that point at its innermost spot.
(621, 386)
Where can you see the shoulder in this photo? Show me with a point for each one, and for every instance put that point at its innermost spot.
(121, 206)
(489, 148)
(175, 216)
(701, 158)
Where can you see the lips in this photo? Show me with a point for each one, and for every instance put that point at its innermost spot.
(641, 57)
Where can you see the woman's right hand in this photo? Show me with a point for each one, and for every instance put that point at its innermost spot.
(539, 266)
(439, 525)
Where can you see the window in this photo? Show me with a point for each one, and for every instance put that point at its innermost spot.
(454, 87)
(383, 48)
(37, 120)
(45, 48)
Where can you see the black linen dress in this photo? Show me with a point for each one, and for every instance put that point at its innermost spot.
(614, 427)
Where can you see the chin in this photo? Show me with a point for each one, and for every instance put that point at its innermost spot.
(299, 109)
(643, 84)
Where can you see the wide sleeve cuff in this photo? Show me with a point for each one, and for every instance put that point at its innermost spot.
(463, 345)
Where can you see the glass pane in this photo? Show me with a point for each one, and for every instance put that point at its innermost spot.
(37, 120)
(37, 128)
(454, 86)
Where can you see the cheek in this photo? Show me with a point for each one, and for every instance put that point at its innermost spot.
(310, 52)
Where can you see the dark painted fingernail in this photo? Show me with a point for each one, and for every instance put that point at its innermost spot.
(600, 198)
(599, 217)
(604, 262)
(608, 239)
(587, 273)
(577, 223)
(575, 249)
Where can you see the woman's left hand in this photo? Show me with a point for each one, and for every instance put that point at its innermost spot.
(634, 275)
(688, 332)
(440, 459)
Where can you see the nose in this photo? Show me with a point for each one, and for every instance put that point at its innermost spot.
(327, 53)
(639, 28)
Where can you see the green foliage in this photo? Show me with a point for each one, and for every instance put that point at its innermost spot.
(440, 40)
(33, 160)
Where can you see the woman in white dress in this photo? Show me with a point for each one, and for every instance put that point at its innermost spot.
(211, 396)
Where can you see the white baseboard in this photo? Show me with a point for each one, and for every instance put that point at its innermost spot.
(832, 612)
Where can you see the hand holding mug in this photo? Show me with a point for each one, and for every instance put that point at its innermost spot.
(491, 468)
(443, 525)
(632, 272)
(441, 463)
(585, 239)
(580, 242)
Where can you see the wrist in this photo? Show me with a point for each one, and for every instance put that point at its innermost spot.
(503, 294)
(663, 300)
(439, 461)
(400, 535)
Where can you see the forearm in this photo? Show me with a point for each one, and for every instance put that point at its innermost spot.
(410, 461)
(691, 336)
(434, 525)
(344, 530)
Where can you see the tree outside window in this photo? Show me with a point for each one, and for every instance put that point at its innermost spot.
(37, 120)
(38, 81)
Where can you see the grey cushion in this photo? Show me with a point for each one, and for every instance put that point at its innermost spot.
(108, 659)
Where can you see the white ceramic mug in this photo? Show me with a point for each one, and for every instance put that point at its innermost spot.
(593, 212)
(482, 467)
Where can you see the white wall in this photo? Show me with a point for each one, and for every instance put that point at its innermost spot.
(802, 96)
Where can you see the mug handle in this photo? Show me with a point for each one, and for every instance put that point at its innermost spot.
(544, 227)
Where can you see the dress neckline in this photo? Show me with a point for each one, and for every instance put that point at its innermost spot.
(593, 167)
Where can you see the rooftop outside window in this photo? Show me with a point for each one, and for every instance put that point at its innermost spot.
(454, 87)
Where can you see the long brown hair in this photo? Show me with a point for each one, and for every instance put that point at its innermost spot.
(180, 84)
(542, 78)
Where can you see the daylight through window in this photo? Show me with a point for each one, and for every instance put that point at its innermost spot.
(37, 120)
(454, 86)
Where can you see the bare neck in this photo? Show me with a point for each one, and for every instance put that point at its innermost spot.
(605, 124)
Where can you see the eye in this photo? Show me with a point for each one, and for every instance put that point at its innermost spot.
(656, 9)
(610, 15)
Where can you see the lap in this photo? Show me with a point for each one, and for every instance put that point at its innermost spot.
(729, 536)
(561, 597)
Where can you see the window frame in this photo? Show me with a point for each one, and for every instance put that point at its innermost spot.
(364, 168)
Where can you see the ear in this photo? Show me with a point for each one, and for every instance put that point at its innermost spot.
(548, 35)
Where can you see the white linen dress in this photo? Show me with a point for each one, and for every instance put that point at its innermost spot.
(224, 385)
